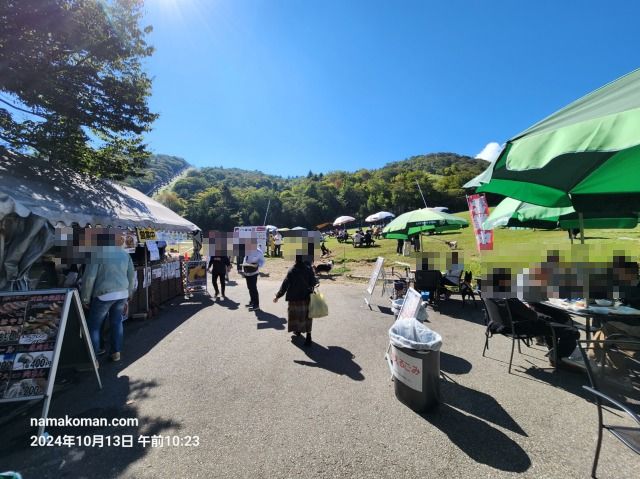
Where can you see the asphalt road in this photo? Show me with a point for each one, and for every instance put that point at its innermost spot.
(264, 406)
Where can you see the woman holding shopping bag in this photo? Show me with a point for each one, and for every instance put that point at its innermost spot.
(298, 286)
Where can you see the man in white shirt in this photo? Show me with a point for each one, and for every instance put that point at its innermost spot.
(277, 240)
(253, 261)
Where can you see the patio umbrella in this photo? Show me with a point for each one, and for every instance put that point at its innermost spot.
(425, 219)
(298, 228)
(514, 213)
(323, 225)
(584, 155)
(379, 216)
(343, 220)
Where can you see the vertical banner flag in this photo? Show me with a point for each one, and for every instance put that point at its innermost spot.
(479, 210)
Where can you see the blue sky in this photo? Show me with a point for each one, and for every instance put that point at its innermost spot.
(288, 86)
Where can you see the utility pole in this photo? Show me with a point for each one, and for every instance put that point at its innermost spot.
(420, 190)
(267, 213)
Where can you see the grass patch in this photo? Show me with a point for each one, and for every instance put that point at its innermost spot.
(513, 247)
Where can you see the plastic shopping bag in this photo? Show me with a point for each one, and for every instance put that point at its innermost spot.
(318, 306)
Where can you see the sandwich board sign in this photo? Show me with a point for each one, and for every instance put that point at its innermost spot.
(411, 305)
(378, 272)
(40, 331)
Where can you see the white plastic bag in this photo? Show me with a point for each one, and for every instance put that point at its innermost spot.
(412, 334)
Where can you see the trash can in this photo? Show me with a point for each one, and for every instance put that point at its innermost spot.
(415, 363)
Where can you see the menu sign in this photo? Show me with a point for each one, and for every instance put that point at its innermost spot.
(40, 331)
(29, 326)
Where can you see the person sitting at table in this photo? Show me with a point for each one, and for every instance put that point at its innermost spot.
(532, 288)
(454, 273)
(368, 239)
(357, 238)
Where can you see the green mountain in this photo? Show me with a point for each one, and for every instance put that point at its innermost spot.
(221, 198)
(160, 170)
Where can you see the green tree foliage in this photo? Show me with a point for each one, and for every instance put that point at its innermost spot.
(219, 198)
(72, 88)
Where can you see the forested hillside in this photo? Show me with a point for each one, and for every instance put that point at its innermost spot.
(159, 171)
(221, 198)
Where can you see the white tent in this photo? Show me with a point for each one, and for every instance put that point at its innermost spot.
(63, 196)
(35, 196)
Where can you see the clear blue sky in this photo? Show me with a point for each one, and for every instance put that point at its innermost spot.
(288, 86)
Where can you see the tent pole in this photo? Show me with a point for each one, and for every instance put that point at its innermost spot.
(146, 290)
(581, 221)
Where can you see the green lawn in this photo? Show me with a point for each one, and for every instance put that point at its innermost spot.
(515, 248)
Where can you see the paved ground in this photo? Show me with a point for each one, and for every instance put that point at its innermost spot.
(264, 406)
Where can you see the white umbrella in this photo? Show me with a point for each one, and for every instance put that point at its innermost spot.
(298, 228)
(379, 216)
(271, 227)
(342, 220)
(441, 209)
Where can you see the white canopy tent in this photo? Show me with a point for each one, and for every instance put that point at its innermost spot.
(35, 196)
(63, 196)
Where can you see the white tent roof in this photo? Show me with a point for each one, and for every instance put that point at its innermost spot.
(63, 196)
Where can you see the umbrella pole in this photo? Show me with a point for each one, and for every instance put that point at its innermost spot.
(581, 221)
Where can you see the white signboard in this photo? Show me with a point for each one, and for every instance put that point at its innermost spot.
(375, 274)
(258, 233)
(154, 254)
(407, 369)
(412, 304)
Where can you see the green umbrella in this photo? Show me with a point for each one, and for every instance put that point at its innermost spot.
(585, 155)
(425, 219)
(515, 213)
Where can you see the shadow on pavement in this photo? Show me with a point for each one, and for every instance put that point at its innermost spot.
(453, 308)
(465, 416)
(333, 358)
(454, 364)
(76, 395)
(480, 441)
(269, 321)
(229, 303)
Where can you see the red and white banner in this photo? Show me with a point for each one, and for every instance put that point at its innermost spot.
(479, 210)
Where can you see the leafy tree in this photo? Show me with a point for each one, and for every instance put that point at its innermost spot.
(221, 198)
(72, 88)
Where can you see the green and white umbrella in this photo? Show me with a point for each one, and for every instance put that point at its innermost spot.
(515, 213)
(425, 219)
(586, 155)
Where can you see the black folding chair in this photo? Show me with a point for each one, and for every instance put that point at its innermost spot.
(431, 281)
(613, 366)
(500, 321)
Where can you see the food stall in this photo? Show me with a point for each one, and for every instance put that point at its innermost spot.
(36, 197)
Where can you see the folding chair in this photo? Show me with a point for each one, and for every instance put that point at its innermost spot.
(613, 366)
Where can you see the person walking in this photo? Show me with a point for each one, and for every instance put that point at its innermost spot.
(107, 284)
(218, 267)
(400, 246)
(298, 286)
(251, 265)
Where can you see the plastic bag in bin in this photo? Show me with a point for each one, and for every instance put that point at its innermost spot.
(412, 334)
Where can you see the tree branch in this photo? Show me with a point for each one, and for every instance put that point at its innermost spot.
(22, 109)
